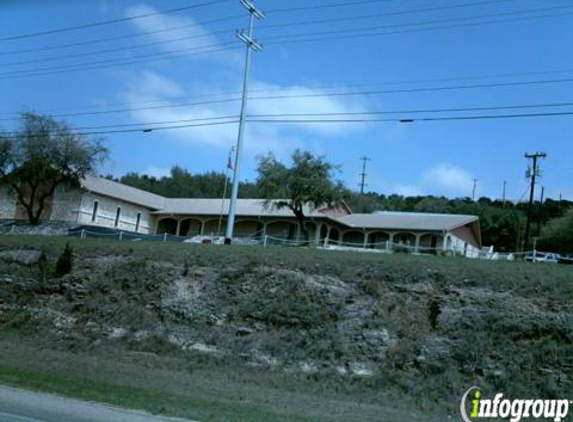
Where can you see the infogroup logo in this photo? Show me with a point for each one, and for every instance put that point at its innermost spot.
(474, 407)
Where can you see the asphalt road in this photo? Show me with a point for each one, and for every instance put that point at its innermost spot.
(25, 406)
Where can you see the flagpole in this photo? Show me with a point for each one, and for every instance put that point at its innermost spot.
(229, 167)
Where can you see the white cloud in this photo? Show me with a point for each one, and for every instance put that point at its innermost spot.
(448, 179)
(194, 37)
(146, 86)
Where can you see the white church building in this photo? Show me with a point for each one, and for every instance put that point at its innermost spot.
(104, 203)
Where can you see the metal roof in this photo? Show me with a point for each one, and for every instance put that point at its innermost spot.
(407, 221)
(245, 207)
(256, 208)
(122, 192)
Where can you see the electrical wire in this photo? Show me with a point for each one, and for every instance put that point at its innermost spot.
(112, 21)
(431, 22)
(117, 49)
(120, 37)
(277, 41)
(324, 121)
(377, 15)
(409, 120)
(318, 87)
(326, 6)
(317, 95)
(121, 62)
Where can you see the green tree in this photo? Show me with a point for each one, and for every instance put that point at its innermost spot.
(558, 235)
(308, 182)
(43, 155)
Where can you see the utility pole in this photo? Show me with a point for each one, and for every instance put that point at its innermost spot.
(540, 214)
(474, 190)
(363, 174)
(251, 44)
(504, 189)
(533, 172)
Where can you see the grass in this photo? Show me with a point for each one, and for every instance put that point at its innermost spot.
(492, 315)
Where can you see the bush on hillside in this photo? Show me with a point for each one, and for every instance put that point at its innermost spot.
(558, 235)
(65, 261)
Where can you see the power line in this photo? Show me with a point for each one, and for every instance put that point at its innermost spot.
(376, 34)
(226, 31)
(120, 37)
(457, 19)
(335, 94)
(409, 90)
(227, 18)
(111, 63)
(321, 87)
(377, 15)
(149, 129)
(410, 120)
(327, 6)
(315, 121)
(144, 56)
(117, 49)
(163, 56)
(112, 21)
(276, 116)
(443, 110)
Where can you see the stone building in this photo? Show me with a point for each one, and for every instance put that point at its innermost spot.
(104, 203)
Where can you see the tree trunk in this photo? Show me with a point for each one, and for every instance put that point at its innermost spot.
(301, 220)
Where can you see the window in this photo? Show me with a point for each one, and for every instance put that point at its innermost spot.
(137, 222)
(94, 212)
(117, 215)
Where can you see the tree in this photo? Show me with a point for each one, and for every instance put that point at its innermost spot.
(558, 235)
(43, 155)
(308, 182)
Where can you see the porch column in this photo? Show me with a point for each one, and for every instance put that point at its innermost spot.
(366, 237)
(417, 245)
(317, 234)
(202, 228)
(390, 241)
(327, 238)
(178, 226)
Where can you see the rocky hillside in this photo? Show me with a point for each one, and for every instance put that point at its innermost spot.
(423, 327)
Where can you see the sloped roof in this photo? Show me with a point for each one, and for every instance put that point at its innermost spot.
(122, 192)
(245, 207)
(407, 221)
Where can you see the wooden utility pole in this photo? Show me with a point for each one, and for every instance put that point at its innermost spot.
(504, 189)
(363, 175)
(532, 173)
(474, 190)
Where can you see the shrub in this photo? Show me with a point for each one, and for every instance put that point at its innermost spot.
(43, 267)
(65, 261)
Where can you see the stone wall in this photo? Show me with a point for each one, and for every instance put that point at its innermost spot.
(107, 211)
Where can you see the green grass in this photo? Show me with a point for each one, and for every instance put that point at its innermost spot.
(150, 400)
(482, 308)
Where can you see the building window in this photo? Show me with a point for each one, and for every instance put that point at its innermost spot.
(117, 215)
(138, 222)
(94, 212)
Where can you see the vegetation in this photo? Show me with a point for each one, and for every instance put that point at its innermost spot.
(43, 155)
(309, 182)
(502, 223)
(321, 335)
(558, 235)
(65, 261)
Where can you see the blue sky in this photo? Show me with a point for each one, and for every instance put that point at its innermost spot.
(440, 158)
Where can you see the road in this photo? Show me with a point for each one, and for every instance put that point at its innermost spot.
(25, 406)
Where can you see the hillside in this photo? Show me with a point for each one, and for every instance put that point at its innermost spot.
(280, 334)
